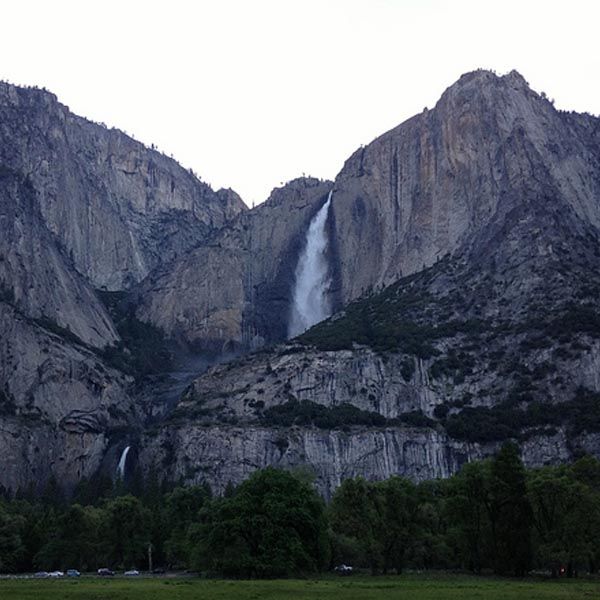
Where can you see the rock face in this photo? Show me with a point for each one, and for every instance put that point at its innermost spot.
(464, 250)
(81, 207)
(58, 405)
(233, 292)
(58, 400)
(483, 214)
(36, 278)
(117, 208)
(430, 185)
(221, 455)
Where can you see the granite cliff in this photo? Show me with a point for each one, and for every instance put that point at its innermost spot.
(469, 235)
(464, 257)
(117, 208)
(82, 207)
(233, 292)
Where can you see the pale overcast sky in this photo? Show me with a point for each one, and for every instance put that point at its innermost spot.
(253, 93)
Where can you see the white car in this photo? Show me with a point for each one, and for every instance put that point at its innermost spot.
(344, 569)
(56, 574)
(132, 573)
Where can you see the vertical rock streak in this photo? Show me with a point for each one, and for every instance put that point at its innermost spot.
(310, 302)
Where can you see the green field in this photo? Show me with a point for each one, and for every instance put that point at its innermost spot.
(412, 587)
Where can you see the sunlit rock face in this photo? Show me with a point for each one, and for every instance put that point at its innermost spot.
(117, 207)
(434, 182)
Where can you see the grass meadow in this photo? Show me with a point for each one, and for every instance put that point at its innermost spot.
(411, 587)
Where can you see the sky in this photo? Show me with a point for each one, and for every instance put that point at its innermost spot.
(253, 93)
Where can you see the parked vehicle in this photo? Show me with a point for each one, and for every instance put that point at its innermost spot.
(73, 573)
(41, 575)
(132, 573)
(104, 572)
(56, 574)
(158, 571)
(344, 569)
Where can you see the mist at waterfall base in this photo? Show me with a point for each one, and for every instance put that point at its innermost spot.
(310, 301)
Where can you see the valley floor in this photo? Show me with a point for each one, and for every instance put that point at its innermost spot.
(411, 587)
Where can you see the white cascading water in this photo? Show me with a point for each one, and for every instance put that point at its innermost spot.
(122, 461)
(310, 302)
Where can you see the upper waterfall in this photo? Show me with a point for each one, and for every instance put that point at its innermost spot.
(310, 301)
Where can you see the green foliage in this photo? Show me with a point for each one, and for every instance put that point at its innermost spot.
(491, 515)
(182, 507)
(455, 364)
(468, 508)
(353, 515)
(407, 369)
(566, 516)
(394, 319)
(386, 525)
(12, 547)
(127, 531)
(504, 421)
(305, 412)
(143, 349)
(274, 525)
(510, 513)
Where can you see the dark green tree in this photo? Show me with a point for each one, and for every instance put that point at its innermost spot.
(510, 513)
(126, 531)
(12, 547)
(356, 524)
(182, 507)
(274, 525)
(566, 515)
(468, 507)
(397, 524)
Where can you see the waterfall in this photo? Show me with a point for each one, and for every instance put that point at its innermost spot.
(122, 461)
(310, 303)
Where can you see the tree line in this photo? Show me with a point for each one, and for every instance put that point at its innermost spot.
(493, 515)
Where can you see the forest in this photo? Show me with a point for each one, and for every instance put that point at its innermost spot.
(492, 516)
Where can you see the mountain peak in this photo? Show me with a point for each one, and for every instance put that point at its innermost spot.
(483, 77)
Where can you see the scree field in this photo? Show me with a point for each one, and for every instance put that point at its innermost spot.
(364, 588)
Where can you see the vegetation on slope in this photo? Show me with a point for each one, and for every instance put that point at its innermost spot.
(142, 350)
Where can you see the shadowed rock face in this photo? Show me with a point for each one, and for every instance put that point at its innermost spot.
(117, 208)
(36, 277)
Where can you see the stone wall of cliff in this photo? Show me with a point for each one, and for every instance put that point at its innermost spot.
(117, 207)
(233, 292)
